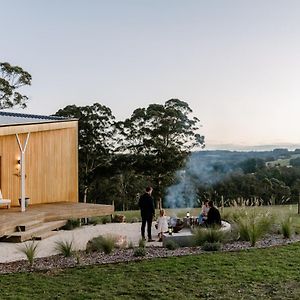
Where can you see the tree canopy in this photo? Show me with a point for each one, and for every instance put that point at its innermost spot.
(161, 136)
(11, 79)
(96, 140)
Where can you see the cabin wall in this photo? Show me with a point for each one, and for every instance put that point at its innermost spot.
(51, 161)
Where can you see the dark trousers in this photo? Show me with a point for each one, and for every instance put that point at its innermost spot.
(148, 220)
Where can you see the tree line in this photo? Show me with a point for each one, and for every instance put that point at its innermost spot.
(117, 159)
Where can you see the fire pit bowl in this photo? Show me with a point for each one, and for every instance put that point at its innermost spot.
(176, 224)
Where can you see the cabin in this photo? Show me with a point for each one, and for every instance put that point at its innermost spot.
(39, 161)
(51, 158)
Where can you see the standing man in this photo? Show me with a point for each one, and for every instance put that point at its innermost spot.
(146, 205)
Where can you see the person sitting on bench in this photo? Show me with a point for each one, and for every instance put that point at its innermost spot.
(213, 216)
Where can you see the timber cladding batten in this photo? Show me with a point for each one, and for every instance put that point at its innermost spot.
(51, 161)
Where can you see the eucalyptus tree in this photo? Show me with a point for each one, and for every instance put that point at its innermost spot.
(97, 141)
(160, 137)
(11, 79)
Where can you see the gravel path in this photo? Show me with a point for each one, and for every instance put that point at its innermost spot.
(11, 260)
(80, 236)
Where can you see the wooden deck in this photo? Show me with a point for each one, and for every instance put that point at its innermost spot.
(13, 217)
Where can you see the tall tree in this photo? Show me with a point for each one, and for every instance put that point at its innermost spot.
(161, 137)
(11, 79)
(96, 141)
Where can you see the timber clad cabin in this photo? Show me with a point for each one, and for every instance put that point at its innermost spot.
(51, 159)
(47, 148)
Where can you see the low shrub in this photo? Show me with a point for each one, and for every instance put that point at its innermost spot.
(65, 248)
(171, 245)
(140, 251)
(287, 227)
(105, 244)
(30, 250)
(216, 246)
(130, 245)
(209, 235)
(134, 220)
(72, 223)
(118, 219)
(142, 243)
(99, 220)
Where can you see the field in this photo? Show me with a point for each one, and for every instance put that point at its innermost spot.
(278, 210)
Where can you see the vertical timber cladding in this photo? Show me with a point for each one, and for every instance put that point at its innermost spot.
(51, 161)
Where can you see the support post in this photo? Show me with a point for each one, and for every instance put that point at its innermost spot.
(23, 174)
(299, 204)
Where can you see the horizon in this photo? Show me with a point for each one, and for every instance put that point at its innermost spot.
(235, 63)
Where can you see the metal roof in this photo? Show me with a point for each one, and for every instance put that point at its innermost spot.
(9, 118)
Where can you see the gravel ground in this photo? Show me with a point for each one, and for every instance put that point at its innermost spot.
(56, 263)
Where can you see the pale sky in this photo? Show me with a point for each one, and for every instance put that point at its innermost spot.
(237, 63)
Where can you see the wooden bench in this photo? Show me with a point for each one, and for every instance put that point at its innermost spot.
(6, 202)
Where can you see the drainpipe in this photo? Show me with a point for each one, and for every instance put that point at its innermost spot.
(22, 152)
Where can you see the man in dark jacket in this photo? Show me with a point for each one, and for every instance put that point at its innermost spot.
(213, 216)
(146, 205)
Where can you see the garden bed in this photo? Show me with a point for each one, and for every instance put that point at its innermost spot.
(56, 263)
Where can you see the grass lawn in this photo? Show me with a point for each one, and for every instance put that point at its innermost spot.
(256, 274)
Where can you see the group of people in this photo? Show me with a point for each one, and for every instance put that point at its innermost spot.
(209, 217)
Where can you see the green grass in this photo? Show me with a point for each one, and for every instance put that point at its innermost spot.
(254, 274)
(228, 211)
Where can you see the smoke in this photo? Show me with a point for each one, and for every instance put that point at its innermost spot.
(200, 170)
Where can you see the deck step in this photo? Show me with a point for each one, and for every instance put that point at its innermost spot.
(45, 235)
(37, 231)
(28, 225)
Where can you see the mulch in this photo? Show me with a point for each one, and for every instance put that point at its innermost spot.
(56, 263)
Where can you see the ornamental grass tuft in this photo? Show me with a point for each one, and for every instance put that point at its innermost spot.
(65, 248)
(30, 250)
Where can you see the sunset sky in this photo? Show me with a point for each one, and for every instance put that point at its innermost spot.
(237, 63)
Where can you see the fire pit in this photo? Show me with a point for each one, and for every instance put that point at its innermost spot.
(176, 224)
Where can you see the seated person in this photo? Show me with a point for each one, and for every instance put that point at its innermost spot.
(162, 224)
(213, 216)
(204, 212)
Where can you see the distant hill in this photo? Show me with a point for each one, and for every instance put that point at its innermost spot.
(267, 147)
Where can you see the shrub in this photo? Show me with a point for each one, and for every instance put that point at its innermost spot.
(254, 226)
(99, 220)
(30, 250)
(208, 235)
(216, 246)
(77, 256)
(139, 252)
(65, 248)
(119, 219)
(287, 228)
(134, 220)
(105, 220)
(130, 245)
(72, 223)
(171, 245)
(101, 243)
(120, 241)
(142, 243)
